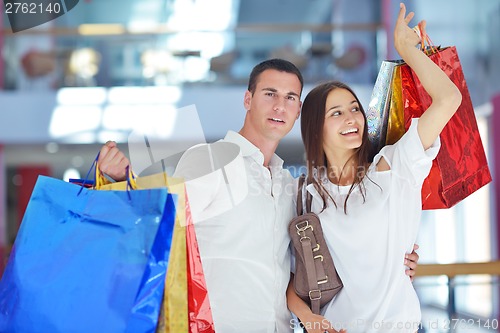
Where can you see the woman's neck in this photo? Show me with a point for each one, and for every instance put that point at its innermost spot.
(342, 168)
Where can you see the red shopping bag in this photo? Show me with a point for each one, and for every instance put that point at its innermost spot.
(460, 168)
(199, 311)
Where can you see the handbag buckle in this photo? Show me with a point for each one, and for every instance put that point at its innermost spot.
(312, 297)
(325, 280)
(303, 226)
(304, 238)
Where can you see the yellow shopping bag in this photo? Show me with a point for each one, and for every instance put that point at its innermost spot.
(174, 311)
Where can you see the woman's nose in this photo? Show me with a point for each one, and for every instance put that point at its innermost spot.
(349, 118)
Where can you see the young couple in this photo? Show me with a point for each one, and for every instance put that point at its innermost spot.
(369, 210)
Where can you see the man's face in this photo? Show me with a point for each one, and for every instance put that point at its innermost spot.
(275, 104)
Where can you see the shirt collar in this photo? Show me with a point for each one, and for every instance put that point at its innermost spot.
(249, 149)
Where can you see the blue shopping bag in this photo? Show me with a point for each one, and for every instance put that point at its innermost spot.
(88, 261)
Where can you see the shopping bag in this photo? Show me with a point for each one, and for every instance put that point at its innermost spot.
(87, 260)
(186, 306)
(200, 313)
(461, 167)
(189, 277)
(395, 121)
(379, 107)
(173, 313)
(174, 310)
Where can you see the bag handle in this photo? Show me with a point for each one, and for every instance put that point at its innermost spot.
(426, 44)
(300, 204)
(100, 179)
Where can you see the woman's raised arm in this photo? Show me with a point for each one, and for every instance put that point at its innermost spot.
(446, 97)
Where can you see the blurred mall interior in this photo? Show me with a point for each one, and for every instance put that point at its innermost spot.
(107, 68)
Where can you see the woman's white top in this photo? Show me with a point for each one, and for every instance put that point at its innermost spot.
(368, 244)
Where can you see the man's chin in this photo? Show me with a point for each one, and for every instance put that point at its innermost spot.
(278, 133)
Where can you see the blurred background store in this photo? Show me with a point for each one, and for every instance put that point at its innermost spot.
(108, 67)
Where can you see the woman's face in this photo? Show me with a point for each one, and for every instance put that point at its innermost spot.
(344, 121)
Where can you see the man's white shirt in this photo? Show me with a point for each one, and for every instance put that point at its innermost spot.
(241, 212)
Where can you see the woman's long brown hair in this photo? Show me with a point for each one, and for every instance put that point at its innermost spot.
(312, 122)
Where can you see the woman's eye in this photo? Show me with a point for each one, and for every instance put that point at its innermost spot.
(336, 113)
(356, 109)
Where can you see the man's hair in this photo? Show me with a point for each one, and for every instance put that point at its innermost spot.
(276, 64)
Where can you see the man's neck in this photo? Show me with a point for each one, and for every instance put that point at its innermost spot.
(266, 146)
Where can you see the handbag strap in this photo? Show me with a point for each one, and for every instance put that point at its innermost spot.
(300, 208)
(312, 280)
(308, 242)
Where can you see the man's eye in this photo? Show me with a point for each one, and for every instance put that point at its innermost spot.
(270, 94)
(291, 98)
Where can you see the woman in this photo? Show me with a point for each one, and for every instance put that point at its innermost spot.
(373, 205)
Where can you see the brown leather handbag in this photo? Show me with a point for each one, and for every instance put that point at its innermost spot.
(316, 279)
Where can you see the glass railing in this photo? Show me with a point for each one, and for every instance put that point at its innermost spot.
(459, 297)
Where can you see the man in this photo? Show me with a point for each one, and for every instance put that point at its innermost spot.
(245, 250)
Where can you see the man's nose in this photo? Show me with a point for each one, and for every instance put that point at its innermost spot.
(280, 104)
